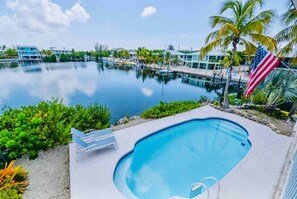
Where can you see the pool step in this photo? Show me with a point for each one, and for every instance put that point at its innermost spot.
(231, 131)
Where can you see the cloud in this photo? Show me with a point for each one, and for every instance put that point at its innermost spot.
(147, 92)
(43, 15)
(53, 83)
(148, 11)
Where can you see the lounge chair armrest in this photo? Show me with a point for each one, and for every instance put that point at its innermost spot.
(89, 130)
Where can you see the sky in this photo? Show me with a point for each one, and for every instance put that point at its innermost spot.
(130, 24)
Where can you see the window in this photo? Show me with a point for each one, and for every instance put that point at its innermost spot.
(195, 57)
(202, 66)
(211, 66)
(195, 65)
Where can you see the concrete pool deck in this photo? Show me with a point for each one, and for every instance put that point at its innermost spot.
(254, 177)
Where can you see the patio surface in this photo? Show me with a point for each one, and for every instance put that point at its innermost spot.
(254, 177)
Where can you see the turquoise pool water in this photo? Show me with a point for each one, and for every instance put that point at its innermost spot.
(168, 162)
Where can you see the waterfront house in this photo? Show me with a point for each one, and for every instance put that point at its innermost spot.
(59, 51)
(29, 53)
(210, 62)
(176, 55)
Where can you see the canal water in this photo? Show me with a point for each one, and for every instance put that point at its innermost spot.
(124, 91)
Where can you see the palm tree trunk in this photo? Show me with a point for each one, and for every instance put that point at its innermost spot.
(230, 68)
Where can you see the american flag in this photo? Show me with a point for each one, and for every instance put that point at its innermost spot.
(264, 63)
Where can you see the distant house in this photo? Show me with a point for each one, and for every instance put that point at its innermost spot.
(29, 53)
(176, 54)
(59, 51)
(209, 62)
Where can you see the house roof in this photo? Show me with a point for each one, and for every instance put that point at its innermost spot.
(25, 46)
(172, 52)
(211, 53)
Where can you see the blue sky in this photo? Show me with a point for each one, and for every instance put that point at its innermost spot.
(80, 24)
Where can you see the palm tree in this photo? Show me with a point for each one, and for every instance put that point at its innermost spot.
(243, 27)
(228, 57)
(279, 87)
(171, 47)
(288, 34)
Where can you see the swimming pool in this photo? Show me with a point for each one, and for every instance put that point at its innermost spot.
(169, 161)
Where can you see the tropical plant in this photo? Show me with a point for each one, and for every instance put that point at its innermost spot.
(167, 109)
(149, 56)
(228, 57)
(51, 58)
(38, 127)
(279, 87)
(46, 52)
(171, 47)
(13, 178)
(10, 53)
(288, 35)
(240, 27)
(123, 54)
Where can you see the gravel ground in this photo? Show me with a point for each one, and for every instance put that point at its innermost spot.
(49, 174)
(285, 126)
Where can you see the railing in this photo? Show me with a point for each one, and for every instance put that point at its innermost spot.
(196, 188)
(217, 182)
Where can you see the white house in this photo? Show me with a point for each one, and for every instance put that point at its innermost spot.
(59, 51)
(209, 62)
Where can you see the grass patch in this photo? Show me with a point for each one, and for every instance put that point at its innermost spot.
(166, 109)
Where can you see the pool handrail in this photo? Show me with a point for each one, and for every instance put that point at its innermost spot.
(217, 182)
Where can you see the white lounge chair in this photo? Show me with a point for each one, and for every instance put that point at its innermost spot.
(91, 134)
(93, 145)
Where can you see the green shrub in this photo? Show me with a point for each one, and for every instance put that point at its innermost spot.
(275, 113)
(167, 109)
(258, 98)
(203, 99)
(46, 125)
(233, 100)
(217, 103)
(10, 193)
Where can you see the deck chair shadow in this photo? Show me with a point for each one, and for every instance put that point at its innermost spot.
(84, 146)
(91, 134)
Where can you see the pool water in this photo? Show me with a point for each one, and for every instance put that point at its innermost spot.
(168, 162)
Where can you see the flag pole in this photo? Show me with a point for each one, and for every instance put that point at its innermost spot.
(288, 67)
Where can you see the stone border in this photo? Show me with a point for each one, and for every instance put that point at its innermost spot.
(248, 116)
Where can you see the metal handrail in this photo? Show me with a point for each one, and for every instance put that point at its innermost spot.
(217, 182)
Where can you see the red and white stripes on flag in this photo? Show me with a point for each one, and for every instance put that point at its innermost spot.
(264, 63)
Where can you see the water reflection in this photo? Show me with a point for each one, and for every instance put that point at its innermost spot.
(122, 89)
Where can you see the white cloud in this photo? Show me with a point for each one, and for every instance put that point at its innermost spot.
(77, 13)
(43, 15)
(48, 84)
(147, 92)
(148, 11)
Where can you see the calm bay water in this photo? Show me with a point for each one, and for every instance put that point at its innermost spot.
(124, 92)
